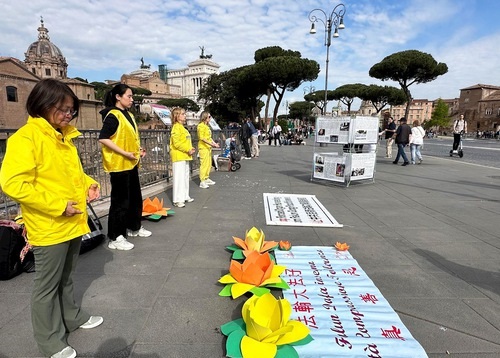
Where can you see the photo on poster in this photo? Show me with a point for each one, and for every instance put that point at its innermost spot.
(319, 169)
(321, 131)
(344, 126)
(334, 138)
(357, 172)
(340, 169)
(319, 159)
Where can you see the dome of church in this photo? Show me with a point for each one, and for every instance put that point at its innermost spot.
(43, 46)
(44, 58)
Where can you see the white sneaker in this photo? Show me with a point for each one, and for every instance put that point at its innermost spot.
(189, 200)
(209, 181)
(203, 185)
(120, 244)
(67, 352)
(142, 232)
(180, 205)
(93, 322)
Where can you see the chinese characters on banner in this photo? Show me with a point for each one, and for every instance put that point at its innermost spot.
(345, 312)
(296, 210)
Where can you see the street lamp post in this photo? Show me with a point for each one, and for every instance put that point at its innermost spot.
(335, 19)
(309, 89)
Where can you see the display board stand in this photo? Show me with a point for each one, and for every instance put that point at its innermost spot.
(355, 142)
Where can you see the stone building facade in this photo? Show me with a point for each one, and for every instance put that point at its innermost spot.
(480, 105)
(16, 82)
(43, 60)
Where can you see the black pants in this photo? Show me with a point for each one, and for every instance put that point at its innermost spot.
(125, 211)
(456, 140)
(277, 137)
(246, 146)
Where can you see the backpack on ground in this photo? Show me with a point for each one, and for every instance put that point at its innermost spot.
(12, 243)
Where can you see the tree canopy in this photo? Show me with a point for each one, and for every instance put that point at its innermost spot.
(186, 103)
(439, 117)
(347, 93)
(381, 96)
(406, 68)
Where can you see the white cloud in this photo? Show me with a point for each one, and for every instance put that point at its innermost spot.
(104, 39)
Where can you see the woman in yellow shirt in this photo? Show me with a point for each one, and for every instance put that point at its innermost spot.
(205, 145)
(41, 171)
(181, 152)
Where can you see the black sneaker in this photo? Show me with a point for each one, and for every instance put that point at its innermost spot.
(405, 164)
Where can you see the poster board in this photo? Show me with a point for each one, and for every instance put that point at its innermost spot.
(163, 113)
(346, 313)
(297, 210)
(330, 166)
(344, 130)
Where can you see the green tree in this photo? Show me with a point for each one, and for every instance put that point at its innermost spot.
(406, 68)
(381, 96)
(301, 109)
(139, 94)
(282, 70)
(100, 89)
(347, 93)
(81, 79)
(439, 117)
(186, 103)
(318, 98)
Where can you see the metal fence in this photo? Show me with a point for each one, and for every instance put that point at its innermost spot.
(155, 166)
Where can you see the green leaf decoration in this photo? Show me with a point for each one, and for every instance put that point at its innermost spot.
(154, 217)
(233, 344)
(303, 341)
(226, 291)
(283, 285)
(170, 212)
(229, 327)
(238, 255)
(286, 351)
(259, 291)
(233, 247)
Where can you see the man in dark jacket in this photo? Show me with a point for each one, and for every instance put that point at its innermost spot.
(245, 134)
(403, 134)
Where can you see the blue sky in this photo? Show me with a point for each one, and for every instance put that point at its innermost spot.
(103, 39)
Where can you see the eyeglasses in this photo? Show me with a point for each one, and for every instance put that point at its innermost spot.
(68, 112)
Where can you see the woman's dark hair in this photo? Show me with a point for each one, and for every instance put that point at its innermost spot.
(47, 94)
(110, 98)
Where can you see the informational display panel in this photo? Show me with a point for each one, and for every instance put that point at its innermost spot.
(362, 166)
(351, 134)
(163, 113)
(346, 313)
(344, 130)
(330, 166)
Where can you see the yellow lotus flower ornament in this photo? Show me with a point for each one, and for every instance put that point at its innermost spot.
(255, 240)
(252, 275)
(265, 330)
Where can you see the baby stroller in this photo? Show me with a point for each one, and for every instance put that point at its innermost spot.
(230, 156)
(459, 150)
(235, 155)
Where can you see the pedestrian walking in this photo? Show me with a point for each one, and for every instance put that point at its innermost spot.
(403, 136)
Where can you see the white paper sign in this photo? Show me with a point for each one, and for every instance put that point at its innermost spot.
(297, 210)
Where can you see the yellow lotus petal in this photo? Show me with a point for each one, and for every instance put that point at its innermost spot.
(286, 311)
(239, 289)
(299, 331)
(276, 335)
(250, 348)
(270, 280)
(262, 309)
(277, 270)
(228, 278)
(256, 331)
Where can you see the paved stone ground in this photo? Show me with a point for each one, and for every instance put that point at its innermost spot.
(427, 235)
